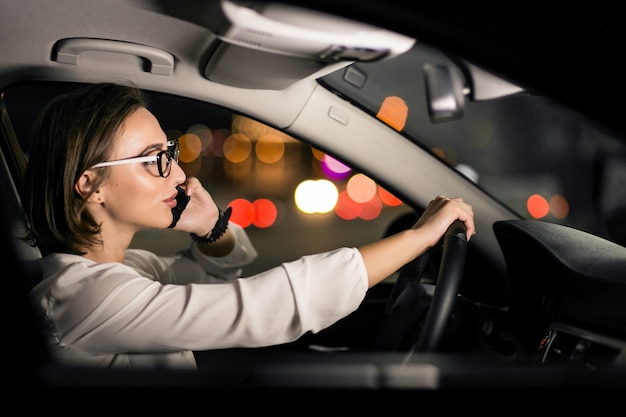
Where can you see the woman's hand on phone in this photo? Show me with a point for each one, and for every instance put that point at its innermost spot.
(201, 213)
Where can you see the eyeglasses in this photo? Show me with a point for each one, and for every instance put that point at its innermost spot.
(162, 160)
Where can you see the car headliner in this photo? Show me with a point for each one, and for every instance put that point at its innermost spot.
(297, 107)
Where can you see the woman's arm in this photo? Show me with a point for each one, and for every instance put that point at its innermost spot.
(384, 257)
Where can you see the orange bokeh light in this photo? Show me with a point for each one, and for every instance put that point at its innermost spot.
(559, 207)
(537, 206)
(347, 208)
(394, 112)
(388, 198)
(361, 188)
(243, 212)
(371, 209)
(265, 213)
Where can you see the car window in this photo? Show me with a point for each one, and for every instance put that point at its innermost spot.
(291, 198)
(513, 147)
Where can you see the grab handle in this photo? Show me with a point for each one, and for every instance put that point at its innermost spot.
(69, 50)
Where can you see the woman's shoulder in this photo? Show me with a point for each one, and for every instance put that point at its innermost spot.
(66, 277)
(137, 254)
(71, 269)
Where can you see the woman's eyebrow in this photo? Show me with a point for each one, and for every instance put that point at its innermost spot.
(153, 147)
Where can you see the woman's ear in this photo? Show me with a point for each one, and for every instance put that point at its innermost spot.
(85, 187)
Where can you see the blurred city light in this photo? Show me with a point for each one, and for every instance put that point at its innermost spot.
(559, 207)
(316, 196)
(361, 188)
(334, 169)
(537, 206)
(393, 111)
(237, 147)
(265, 213)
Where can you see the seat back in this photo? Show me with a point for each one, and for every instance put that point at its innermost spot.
(12, 167)
(21, 271)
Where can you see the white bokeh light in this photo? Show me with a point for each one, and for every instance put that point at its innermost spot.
(316, 196)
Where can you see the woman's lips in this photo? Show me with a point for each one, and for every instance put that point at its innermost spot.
(171, 201)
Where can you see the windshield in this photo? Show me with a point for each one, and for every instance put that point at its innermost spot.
(539, 159)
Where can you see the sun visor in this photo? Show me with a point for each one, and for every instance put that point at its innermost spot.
(265, 45)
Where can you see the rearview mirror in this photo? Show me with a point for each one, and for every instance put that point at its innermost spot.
(445, 93)
(446, 90)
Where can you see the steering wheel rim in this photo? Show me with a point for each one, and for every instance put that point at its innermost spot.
(448, 285)
(416, 321)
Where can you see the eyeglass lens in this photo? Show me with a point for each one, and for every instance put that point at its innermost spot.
(164, 161)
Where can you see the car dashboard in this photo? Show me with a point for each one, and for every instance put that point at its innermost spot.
(567, 292)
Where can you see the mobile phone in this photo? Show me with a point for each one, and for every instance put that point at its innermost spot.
(181, 202)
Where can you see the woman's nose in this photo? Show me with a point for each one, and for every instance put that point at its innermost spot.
(177, 173)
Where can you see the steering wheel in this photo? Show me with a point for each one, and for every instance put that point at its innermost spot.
(417, 321)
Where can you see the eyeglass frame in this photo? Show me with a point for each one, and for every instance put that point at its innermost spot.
(171, 153)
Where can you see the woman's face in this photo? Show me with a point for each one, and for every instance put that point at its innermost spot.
(134, 195)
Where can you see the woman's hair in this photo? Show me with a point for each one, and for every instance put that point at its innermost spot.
(74, 132)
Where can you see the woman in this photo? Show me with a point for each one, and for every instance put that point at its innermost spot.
(100, 170)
